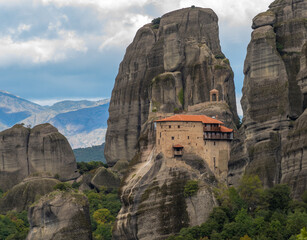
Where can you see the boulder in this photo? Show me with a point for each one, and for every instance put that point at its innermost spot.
(105, 178)
(21, 196)
(60, 216)
(25, 151)
(263, 19)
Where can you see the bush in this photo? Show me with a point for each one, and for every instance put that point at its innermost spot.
(84, 167)
(156, 23)
(220, 56)
(62, 186)
(190, 188)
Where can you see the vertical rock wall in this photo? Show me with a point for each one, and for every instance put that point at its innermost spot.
(273, 95)
(168, 67)
(26, 151)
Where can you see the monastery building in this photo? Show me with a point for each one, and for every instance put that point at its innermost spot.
(204, 136)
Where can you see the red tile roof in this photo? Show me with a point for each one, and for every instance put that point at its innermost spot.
(225, 129)
(191, 118)
(177, 146)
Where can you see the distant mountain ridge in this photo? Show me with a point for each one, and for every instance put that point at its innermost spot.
(83, 122)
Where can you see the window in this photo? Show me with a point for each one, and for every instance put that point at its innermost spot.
(173, 138)
(214, 143)
(214, 161)
(188, 137)
(169, 126)
(160, 135)
(178, 126)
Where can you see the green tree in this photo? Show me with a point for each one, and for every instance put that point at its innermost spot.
(190, 188)
(302, 235)
(250, 190)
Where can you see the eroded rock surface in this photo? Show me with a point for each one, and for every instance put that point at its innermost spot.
(25, 152)
(167, 68)
(21, 196)
(154, 204)
(274, 96)
(60, 216)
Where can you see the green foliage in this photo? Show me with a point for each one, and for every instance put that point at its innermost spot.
(104, 207)
(76, 185)
(190, 188)
(279, 46)
(1, 193)
(220, 56)
(62, 186)
(180, 96)
(193, 6)
(156, 23)
(251, 212)
(56, 176)
(84, 167)
(302, 235)
(250, 190)
(89, 154)
(14, 226)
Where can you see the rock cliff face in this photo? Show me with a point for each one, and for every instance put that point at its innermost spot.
(274, 97)
(168, 67)
(21, 196)
(59, 216)
(26, 151)
(154, 201)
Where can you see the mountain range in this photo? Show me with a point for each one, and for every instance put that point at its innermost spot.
(83, 122)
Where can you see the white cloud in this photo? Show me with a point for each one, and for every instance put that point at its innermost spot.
(232, 13)
(51, 101)
(239, 107)
(122, 31)
(40, 50)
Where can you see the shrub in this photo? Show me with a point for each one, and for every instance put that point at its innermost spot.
(62, 186)
(56, 176)
(156, 23)
(219, 56)
(190, 188)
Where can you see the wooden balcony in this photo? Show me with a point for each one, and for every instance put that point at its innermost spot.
(218, 136)
(212, 129)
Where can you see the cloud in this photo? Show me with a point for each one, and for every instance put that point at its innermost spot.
(120, 33)
(239, 107)
(51, 101)
(39, 50)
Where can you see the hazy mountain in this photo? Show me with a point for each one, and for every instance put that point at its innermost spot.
(88, 154)
(83, 122)
(14, 109)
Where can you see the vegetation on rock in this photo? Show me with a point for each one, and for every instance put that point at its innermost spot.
(190, 188)
(14, 226)
(104, 207)
(251, 212)
(84, 167)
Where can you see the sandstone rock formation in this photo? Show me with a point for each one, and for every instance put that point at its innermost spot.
(273, 98)
(26, 151)
(154, 204)
(167, 68)
(59, 216)
(21, 196)
(105, 178)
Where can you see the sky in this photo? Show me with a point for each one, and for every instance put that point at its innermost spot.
(71, 49)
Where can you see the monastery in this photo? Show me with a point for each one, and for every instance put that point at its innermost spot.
(198, 134)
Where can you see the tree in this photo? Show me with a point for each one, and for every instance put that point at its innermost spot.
(250, 190)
